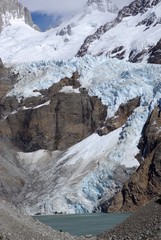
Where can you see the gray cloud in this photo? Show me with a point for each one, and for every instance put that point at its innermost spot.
(62, 6)
(51, 6)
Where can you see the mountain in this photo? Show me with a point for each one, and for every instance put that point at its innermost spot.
(130, 36)
(12, 11)
(75, 129)
(97, 29)
(70, 156)
(61, 42)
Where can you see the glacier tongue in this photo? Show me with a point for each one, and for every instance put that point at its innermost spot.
(76, 180)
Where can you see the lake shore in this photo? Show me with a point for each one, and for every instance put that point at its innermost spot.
(143, 225)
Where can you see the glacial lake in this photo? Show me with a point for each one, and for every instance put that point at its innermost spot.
(83, 224)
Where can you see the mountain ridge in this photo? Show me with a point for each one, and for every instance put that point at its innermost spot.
(133, 9)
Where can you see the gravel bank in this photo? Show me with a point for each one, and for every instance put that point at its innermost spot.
(143, 225)
(14, 225)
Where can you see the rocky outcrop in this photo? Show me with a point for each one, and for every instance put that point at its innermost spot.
(12, 9)
(145, 183)
(155, 54)
(58, 120)
(133, 9)
(6, 80)
(120, 118)
(12, 176)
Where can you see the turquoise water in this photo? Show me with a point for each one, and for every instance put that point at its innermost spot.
(83, 224)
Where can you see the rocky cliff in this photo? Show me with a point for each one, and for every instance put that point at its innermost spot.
(155, 54)
(145, 183)
(55, 121)
(12, 9)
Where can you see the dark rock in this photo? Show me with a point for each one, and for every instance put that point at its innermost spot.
(145, 183)
(155, 54)
(67, 119)
(124, 111)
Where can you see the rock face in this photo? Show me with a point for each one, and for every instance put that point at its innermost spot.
(6, 80)
(121, 116)
(155, 54)
(12, 9)
(54, 121)
(145, 183)
(63, 115)
(60, 120)
(12, 177)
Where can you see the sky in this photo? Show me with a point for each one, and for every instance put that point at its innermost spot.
(45, 21)
(49, 13)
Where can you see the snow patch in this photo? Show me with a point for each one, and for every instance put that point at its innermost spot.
(69, 89)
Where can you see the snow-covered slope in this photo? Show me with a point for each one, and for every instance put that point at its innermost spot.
(75, 181)
(133, 35)
(98, 29)
(19, 42)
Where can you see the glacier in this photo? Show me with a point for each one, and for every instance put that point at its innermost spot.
(77, 179)
(112, 80)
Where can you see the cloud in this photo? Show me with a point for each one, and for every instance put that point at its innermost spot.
(62, 6)
(53, 6)
(121, 3)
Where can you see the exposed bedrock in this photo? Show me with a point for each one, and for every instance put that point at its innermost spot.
(145, 183)
(120, 118)
(58, 120)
